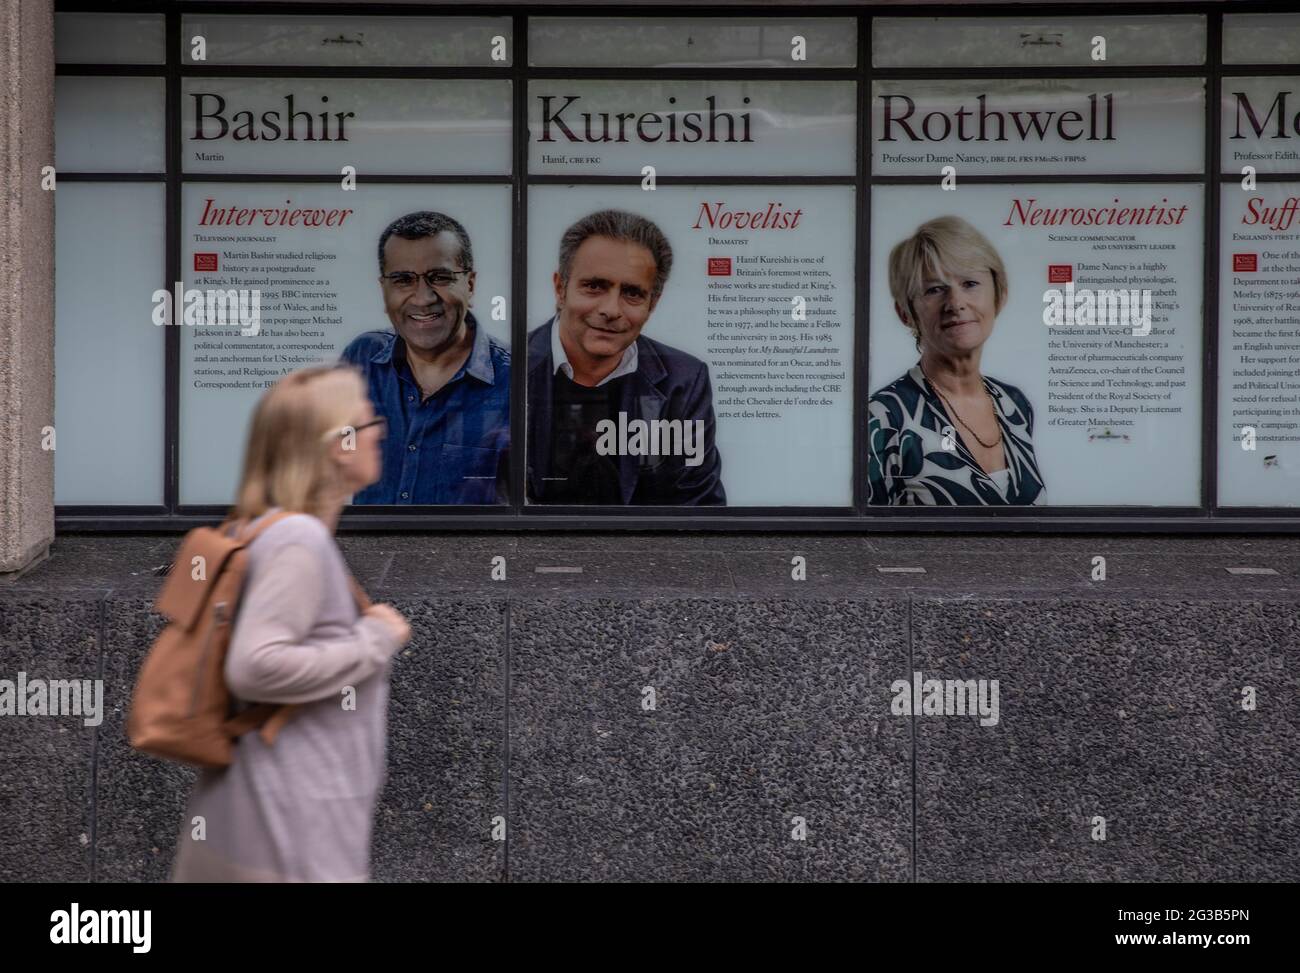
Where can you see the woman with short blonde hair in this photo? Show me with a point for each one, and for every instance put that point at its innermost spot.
(944, 433)
(944, 242)
(300, 809)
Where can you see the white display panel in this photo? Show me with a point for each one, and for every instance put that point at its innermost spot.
(1117, 417)
(1037, 127)
(327, 271)
(1259, 346)
(692, 127)
(781, 388)
(108, 356)
(299, 125)
(1261, 124)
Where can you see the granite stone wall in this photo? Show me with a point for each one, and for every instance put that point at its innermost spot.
(683, 707)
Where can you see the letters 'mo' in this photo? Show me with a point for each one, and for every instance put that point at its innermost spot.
(1278, 107)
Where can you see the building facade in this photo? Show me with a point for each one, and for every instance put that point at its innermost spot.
(696, 519)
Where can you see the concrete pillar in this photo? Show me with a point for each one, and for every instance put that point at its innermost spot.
(26, 282)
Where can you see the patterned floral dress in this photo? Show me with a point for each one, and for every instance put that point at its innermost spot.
(908, 465)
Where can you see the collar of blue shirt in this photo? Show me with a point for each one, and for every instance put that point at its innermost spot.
(626, 366)
(478, 365)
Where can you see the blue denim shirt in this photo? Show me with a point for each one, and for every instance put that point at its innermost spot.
(453, 447)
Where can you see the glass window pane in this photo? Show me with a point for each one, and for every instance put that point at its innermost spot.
(914, 42)
(348, 41)
(1261, 38)
(108, 352)
(93, 38)
(716, 42)
(109, 124)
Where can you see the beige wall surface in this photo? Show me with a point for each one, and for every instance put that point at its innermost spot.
(26, 281)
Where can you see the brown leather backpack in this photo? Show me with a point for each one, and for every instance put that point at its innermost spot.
(182, 709)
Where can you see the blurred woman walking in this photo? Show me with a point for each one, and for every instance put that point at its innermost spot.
(301, 809)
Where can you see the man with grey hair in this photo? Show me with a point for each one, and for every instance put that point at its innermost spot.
(615, 417)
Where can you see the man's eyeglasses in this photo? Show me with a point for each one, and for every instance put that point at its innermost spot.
(379, 421)
(405, 279)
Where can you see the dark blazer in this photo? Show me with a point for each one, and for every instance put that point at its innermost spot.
(667, 384)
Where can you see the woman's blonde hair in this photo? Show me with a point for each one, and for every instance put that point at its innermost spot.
(945, 244)
(287, 460)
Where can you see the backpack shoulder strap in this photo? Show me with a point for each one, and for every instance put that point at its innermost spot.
(202, 556)
(267, 718)
(251, 533)
(363, 600)
(246, 532)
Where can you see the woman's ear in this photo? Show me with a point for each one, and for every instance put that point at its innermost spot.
(906, 318)
(337, 454)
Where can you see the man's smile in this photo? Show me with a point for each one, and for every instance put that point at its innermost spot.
(428, 316)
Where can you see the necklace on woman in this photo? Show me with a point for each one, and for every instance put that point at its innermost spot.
(948, 406)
